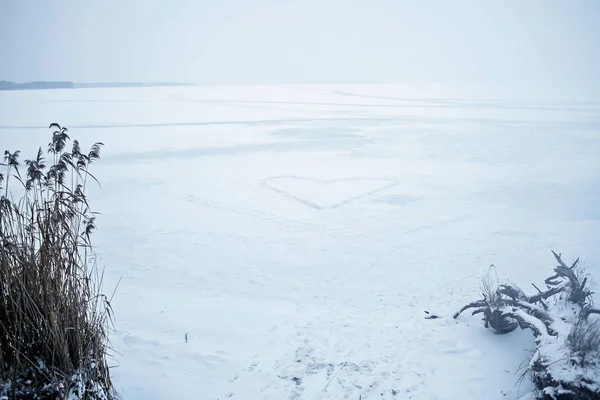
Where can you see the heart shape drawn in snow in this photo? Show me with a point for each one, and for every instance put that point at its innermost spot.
(326, 194)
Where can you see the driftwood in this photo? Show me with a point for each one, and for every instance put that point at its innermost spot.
(578, 294)
(506, 307)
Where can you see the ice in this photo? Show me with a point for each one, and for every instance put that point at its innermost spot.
(297, 234)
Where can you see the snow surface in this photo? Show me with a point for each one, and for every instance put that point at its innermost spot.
(296, 235)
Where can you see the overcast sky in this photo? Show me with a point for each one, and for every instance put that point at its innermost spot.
(314, 41)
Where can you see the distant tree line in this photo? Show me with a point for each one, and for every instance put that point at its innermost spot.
(7, 85)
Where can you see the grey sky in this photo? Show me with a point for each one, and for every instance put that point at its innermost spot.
(285, 41)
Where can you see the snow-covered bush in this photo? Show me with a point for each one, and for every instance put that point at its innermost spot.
(54, 320)
(566, 362)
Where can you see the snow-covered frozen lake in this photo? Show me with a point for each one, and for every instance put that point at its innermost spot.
(296, 235)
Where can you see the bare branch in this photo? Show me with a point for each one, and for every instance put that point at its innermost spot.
(587, 311)
(560, 261)
(475, 304)
(544, 295)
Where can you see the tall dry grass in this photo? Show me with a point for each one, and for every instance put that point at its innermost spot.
(54, 319)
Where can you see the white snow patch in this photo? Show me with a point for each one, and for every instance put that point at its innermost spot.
(281, 236)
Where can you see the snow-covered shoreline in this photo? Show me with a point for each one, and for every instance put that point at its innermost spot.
(380, 203)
